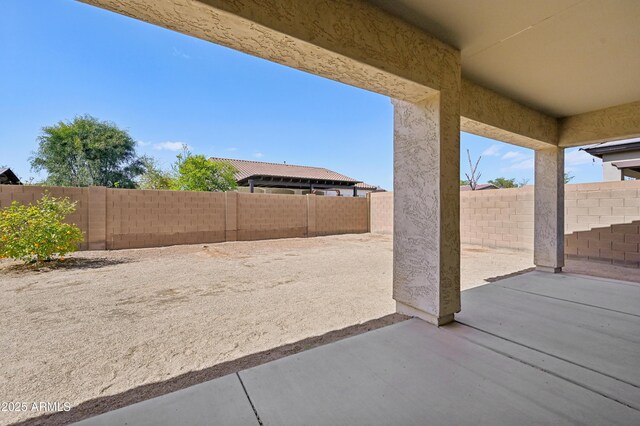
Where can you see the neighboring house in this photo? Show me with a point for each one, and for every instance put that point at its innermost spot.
(276, 178)
(479, 187)
(7, 177)
(362, 189)
(620, 159)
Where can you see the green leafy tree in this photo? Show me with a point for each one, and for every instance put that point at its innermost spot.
(154, 177)
(86, 152)
(504, 182)
(197, 173)
(464, 182)
(36, 232)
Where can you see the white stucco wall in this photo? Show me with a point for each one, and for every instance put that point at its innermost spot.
(609, 171)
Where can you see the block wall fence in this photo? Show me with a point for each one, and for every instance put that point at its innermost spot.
(131, 218)
(602, 220)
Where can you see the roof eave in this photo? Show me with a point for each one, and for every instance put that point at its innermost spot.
(248, 178)
(13, 178)
(597, 151)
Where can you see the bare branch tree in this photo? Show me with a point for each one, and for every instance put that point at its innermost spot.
(475, 176)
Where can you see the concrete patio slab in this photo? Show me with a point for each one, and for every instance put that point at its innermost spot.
(217, 402)
(413, 373)
(597, 382)
(604, 293)
(603, 340)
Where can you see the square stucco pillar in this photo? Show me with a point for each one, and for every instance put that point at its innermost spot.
(426, 233)
(548, 240)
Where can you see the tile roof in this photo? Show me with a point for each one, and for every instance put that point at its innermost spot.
(362, 185)
(248, 168)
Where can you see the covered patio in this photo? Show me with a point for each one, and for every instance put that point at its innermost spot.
(540, 348)
(500, 69)
(535, 348)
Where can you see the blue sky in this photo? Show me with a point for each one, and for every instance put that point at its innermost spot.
(61, 58)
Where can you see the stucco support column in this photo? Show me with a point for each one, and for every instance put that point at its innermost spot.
(426, 244)
(548, 244)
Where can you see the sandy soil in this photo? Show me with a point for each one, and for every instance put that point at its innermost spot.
(110, 328)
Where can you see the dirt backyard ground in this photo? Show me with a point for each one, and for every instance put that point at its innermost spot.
(106, 329)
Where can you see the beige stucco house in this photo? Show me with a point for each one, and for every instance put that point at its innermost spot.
(283, 178)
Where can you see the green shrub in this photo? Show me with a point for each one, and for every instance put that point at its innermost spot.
(35, 232)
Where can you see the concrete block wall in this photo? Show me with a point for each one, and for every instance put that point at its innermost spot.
(497, 218)
(311, 216)
(617, 244)
(341, 215)
(381, 212)
(149, 218)
(96, 235)
(266, 216)
(126, 218)
(231, 216)
(492, 218)
(601, 204)
(602, 220)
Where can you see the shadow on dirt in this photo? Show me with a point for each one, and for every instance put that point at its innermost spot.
(71, 263)
(112, 402)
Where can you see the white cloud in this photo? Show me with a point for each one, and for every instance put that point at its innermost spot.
(170, 146)
(258, 155)
(143, 143)
(513, 156)
(522, 165)
(577, 157)
(492, 151)
(232, 148)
